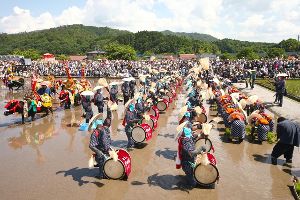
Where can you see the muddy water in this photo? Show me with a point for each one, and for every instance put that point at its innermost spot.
(46, 159)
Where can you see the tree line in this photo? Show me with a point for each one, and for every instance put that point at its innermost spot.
(78, 39)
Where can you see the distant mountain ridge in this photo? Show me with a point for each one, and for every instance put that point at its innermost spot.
(195, 36)
(78, 39)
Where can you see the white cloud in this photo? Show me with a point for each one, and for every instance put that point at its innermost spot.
(256, 20)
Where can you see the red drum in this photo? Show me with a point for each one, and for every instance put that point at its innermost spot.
(121, 168)
(152, 122)
(204, 142)
(202, 118)
(141, 133)
(207, 175)
(154, 111)
(162, 105)
(168, 98)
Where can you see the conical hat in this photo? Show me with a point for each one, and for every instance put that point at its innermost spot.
(243, 103)
(103, 82)
(183, 111)
(94, 118)
(252, 99)
(253, 115)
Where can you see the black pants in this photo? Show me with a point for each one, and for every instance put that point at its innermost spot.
(252, 83)
(280, 98)
(126, 98)
(283, 149)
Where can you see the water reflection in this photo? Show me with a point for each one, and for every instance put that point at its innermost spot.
(34, 135)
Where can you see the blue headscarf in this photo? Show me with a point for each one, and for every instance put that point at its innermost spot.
(187, 132)
(189, 104)
(131, 107)
(187, 114)
(139, 100)
(96, 123)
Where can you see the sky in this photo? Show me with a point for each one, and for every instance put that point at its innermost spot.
(251, 20)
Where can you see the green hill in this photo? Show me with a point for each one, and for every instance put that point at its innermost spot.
(195, 36)
(79, 39)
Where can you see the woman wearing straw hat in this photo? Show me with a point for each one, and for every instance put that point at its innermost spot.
(187, 153)
(100, 141)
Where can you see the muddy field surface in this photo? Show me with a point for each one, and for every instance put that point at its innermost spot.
(48, 159)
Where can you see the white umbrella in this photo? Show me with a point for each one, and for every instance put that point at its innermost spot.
(126, 79)
(87, 93)
(282, 74)
(115, 83)
(98, 88)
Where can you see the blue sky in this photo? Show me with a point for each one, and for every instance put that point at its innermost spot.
(38, 6)
(252, 20)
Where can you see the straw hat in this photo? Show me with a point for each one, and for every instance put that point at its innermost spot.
(103, 82)
(242, 103)
(253, 115)
(183, 110)
(93, 120)
(252, 99)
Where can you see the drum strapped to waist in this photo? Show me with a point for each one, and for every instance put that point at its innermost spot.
(204, 142)
(121, 168)
(207, 175)
(152, 122)
(141, 133)
(154, 111)
(162, 105)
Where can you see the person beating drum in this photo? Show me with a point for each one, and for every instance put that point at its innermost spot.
(100, 141)
(187, 154)
(131, 119)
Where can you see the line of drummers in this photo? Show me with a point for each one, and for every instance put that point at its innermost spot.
(142, 111)
(195, 149)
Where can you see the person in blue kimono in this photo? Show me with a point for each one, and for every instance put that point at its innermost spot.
(131, 119)
(100, 142)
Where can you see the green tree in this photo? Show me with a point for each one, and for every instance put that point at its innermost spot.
(289, 45)
(275, 52)
(247, 53)
(122, 52)
(227, 56)
(62, 57)
(30, 53)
